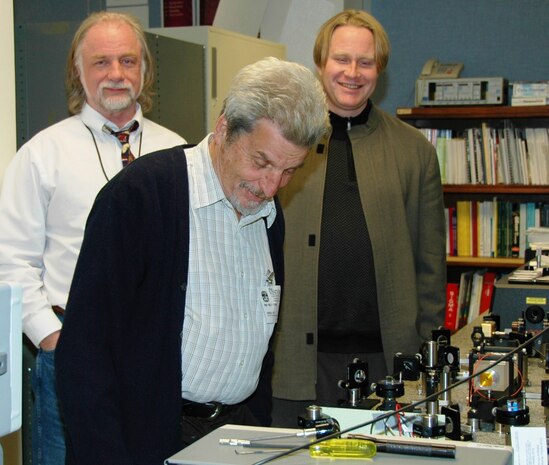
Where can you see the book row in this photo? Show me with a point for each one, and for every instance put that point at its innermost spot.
(469, 298)
(487, 155)
(492, 228)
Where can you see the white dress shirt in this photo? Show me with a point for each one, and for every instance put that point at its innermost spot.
(48, 190)
(226, 330)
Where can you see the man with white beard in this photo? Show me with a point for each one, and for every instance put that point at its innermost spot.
(52, 182)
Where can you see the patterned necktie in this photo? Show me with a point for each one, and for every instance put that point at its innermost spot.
(124, 138)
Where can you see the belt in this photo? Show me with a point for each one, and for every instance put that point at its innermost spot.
(207, 411)
(58, 310)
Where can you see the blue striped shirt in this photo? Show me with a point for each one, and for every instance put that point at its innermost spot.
(226, 332)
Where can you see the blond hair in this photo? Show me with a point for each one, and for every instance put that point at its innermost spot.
(356, 18)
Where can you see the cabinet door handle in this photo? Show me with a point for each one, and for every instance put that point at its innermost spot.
(214, 72)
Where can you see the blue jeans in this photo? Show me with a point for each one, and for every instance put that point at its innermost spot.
(48, 437)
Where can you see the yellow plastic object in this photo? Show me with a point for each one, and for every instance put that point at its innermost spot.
(344, 448)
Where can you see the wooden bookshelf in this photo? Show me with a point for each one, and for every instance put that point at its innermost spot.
(519, 193)
(460, 117)
(495, 189)
(484, 262)
(485, 112)
(467, 116)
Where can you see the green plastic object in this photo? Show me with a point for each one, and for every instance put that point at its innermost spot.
(344, 448)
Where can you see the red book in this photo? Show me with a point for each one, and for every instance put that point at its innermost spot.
(487, 292)
(451, 317)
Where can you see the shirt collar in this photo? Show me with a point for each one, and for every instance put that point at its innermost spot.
(95, 120)
(207, 187)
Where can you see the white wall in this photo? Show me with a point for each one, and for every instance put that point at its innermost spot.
(10, 444)
(138, 8)
(295, 24)
(7, 86)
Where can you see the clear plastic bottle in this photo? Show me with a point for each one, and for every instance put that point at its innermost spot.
(344, 448)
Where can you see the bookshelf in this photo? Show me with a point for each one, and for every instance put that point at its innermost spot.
(459, 120)
(484, 262)
(415, 115)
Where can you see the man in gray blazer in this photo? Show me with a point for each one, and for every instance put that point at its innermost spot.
(365, 236)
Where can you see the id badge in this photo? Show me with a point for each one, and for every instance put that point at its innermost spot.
(270, 300)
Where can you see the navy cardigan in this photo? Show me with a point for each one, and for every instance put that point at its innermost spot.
(118, 360)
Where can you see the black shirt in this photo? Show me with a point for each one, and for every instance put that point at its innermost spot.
(348, 319)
